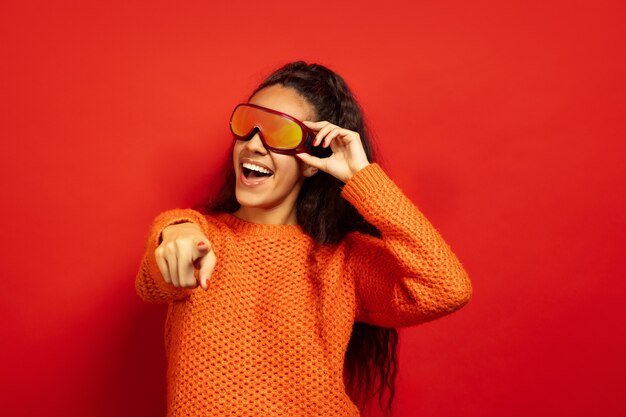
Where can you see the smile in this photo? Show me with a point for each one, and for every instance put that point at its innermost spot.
(253, 173)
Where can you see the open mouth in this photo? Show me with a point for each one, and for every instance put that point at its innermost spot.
(254, 171)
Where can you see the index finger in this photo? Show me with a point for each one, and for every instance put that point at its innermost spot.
(315, 125)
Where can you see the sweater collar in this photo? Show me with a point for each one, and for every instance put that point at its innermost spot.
(244, 227)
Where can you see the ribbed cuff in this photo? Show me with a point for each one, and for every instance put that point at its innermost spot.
(364, 183)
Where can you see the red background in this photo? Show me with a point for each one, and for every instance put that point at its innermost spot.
(503, 121)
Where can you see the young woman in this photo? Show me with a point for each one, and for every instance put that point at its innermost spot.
(285, 292)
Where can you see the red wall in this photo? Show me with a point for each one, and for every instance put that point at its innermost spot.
(503, 121)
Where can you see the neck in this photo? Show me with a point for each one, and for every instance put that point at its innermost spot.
(267, 216)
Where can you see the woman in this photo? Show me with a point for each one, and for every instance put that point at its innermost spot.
(285, 294)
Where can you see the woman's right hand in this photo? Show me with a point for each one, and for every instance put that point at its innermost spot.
(183, 249)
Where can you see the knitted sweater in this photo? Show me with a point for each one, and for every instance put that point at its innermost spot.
(269, 336)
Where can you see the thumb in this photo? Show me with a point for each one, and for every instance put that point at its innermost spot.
(314, 161)
(200, 248)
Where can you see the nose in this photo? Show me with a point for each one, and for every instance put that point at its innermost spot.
(255, 145)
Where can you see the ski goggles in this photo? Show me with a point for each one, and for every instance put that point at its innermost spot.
(278, 131)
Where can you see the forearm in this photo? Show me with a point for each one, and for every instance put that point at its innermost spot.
(412, 274)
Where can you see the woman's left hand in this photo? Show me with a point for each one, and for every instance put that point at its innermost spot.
(348, 156)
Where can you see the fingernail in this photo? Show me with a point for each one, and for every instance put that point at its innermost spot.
(201, 244)
(206, 283)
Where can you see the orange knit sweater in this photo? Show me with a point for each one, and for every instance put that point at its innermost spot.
(269, 336)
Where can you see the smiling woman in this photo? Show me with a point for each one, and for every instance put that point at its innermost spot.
(285, 294)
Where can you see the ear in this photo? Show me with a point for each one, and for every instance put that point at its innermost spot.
(309, 171)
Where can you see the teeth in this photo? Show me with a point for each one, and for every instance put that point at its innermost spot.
(256, 168)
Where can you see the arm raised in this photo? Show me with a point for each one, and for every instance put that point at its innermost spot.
(408, 276)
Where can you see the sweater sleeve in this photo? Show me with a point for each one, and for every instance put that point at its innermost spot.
(149, 283)
(408, 276)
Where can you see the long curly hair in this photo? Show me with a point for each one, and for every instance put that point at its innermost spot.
(370, 364)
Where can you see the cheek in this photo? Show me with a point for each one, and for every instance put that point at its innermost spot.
(236, 151)
(289, 168)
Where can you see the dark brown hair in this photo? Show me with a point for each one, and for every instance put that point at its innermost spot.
(371, 360)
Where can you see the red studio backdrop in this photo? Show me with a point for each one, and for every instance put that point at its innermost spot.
(502, 121)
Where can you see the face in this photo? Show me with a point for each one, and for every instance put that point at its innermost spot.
(268, 183)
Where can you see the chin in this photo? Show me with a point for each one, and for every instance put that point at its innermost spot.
(250, 201)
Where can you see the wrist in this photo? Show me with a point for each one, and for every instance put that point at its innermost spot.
(356, 169)
(174, 228)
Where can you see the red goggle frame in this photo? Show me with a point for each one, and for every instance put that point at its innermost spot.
(279, 132)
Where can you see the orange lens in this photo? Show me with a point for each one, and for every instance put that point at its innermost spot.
(278, 132)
